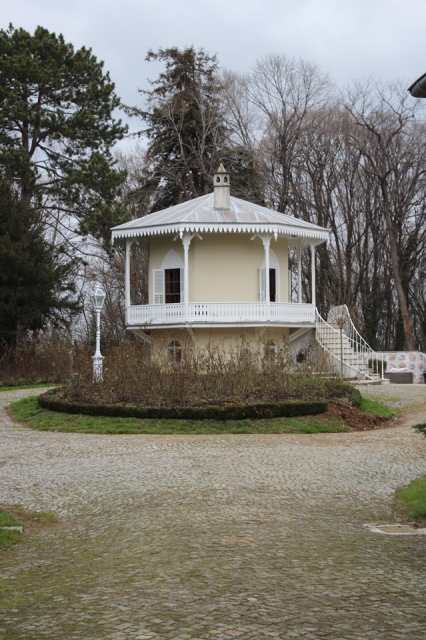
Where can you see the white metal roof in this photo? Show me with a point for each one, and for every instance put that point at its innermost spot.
(199, 215)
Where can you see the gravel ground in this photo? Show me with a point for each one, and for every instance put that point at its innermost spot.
(214, 537)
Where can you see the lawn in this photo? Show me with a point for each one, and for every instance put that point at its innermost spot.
(376, 408)
(8, 536)
(28, 412)
(411, 500)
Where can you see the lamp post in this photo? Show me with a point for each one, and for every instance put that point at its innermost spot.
(98, 299)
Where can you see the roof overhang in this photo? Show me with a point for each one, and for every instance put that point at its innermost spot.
(318, 235)
(418, 88)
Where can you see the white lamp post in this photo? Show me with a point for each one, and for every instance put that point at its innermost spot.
(98, 299)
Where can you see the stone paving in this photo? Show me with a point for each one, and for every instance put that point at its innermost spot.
(213, 537)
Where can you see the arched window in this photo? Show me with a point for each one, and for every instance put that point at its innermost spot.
(270, 350)
(174, 351)
(168, 281)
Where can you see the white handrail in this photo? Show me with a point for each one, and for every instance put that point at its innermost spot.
(221, 312)
(355, 342)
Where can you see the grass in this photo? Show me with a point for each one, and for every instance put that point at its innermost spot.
(7, 520)
(18, 516)
(377, 408)
(411, 500)
(28, 412)
(8, 537)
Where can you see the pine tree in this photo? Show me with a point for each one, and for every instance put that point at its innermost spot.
(188, 134)
(34, 284)
(184, 126)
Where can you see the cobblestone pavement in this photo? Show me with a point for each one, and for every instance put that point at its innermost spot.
(213, 537)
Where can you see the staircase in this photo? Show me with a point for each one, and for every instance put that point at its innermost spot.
(347, 352)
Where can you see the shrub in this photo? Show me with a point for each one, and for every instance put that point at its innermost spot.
(231, 411)
(47, 358)
(202, 377)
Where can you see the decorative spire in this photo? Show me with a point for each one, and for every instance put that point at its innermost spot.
(222, 189)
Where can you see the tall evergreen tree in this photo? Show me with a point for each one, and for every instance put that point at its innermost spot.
(187, 131)
(35, 284)
(184, 127)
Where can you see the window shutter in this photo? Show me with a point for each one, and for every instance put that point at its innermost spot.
(182, 281)
(262, 285)
(158, 275)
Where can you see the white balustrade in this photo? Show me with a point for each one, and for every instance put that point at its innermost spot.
(221, 313)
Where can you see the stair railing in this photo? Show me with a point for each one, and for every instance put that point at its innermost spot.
(340, 316)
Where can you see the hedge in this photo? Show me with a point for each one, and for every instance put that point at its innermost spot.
(289, 409)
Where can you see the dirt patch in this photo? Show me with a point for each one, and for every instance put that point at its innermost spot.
(353, 418)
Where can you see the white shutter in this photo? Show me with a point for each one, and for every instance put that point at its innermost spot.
(158, 276)
(262, 285)
(182, 285)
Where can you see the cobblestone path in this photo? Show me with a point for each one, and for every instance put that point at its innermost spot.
(212, 537)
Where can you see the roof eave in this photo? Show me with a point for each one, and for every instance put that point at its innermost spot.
(319, 234)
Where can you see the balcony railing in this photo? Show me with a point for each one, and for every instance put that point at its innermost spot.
(221, 313)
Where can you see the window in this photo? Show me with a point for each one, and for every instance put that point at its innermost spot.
(168, 286)
(172, 282)
(270, 350)
(174, 351)
(272, 285)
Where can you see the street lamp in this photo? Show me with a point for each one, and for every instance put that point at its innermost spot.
(418, 88)
(98, 299)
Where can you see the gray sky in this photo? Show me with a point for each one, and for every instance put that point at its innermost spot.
(349, 39)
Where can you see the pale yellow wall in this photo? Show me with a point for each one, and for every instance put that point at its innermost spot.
(222, 267)
(225, 268)
(226, 339)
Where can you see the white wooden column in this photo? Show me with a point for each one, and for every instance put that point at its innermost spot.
(186, 241)
(127, 267)
(313, 283)
(299, 272)
(266, 245)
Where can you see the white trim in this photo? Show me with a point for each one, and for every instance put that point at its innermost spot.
(127, 269)
(313, 281)
(262, 284)
(181, 228)
(273, 264)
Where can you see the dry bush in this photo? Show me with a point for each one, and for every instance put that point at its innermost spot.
(47, 358)
(204, 376)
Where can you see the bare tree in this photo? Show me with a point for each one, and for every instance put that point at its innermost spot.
(286, 94)
(389, 154)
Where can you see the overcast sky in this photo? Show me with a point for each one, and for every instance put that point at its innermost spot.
(349, 39)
